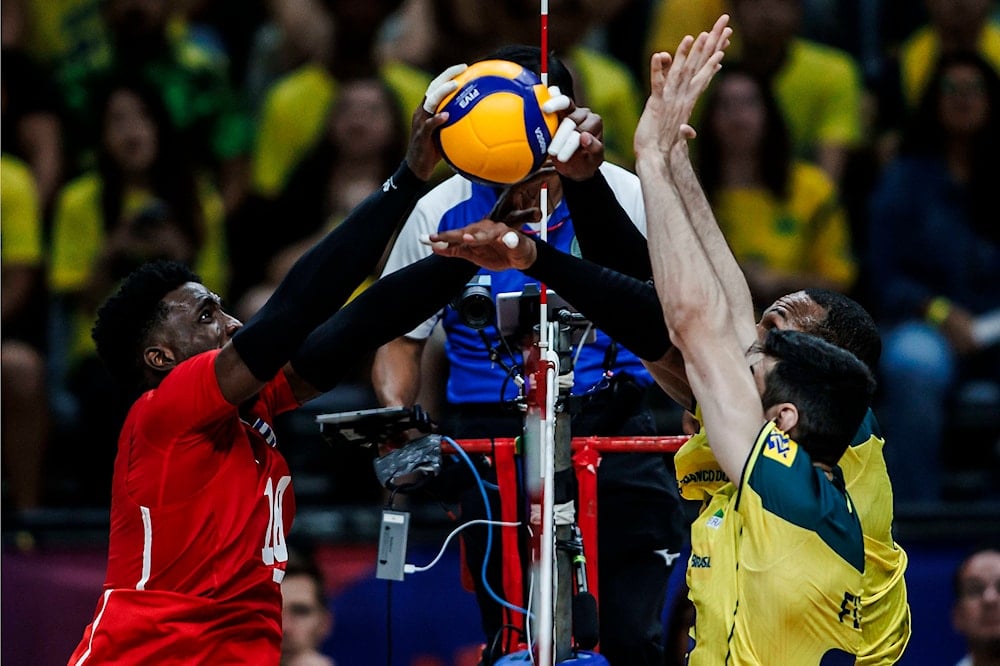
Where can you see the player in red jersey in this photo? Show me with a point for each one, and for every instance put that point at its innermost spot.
(201, 499)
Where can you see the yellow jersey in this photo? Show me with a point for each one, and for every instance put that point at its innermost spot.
(20, 215)
(884, 607)
(776, 565)
(885, 611)
(78, 238)
(807, 232)
(919, 53)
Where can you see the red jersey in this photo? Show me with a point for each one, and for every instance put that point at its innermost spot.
(201, 504)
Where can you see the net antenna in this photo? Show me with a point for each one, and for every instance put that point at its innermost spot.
(546, 371)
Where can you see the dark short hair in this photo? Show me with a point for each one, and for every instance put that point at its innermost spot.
(530, 57)
(847, 325)
(831, 387)
(125, 320)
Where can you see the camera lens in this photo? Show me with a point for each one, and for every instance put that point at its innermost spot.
(476, 307)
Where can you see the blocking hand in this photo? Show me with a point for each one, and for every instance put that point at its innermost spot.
(576, 149)
(492, 245)
(423, 155)
(676, 83)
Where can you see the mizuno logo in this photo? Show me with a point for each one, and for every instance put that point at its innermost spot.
(389, 184)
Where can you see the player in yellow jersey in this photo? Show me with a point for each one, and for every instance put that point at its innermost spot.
(777, 554)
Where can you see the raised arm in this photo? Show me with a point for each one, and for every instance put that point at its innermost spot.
(695, 304)
(625, 308)
(724, 263)
(322, 280)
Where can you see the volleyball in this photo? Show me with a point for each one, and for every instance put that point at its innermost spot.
(496, 131)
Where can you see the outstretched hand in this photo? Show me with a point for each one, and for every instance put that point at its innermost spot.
(492, 245)
(676, 82)
(576, 148)
(422, 154)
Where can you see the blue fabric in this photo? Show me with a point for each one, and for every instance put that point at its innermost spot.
(923, 245)
(473, 378)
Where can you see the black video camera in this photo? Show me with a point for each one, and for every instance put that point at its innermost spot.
(475, 305)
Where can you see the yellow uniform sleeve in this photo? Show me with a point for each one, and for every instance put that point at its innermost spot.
(292, 120)
(20, 217)
(77, 234)
(819, 91)
(672, 19)
(212, 262)
(606, 86)
(806, 233)
(919, 53)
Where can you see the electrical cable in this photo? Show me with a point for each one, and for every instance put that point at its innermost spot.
(492, 647)
(489, 531)
(579, 345)
(412, 568)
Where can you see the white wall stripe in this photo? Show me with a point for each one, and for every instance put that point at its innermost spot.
(93, 629)
(147, 547)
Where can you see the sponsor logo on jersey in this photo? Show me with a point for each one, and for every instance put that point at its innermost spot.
(779, 447)
(389, 184)
(700, 562)
(715, 522)
(705, 476)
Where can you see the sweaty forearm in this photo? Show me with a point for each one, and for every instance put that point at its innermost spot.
(625, 308)
(386, 310)
(322, 280)
(604, 230)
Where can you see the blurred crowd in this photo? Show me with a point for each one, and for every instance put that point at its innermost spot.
(847, 144)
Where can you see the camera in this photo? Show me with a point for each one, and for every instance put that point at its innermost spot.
(475, 304)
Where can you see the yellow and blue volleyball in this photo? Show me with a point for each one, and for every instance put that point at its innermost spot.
(496, 131)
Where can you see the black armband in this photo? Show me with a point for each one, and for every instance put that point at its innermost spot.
(604, 230)
(323, 279)
(391, 307)
(625, 308)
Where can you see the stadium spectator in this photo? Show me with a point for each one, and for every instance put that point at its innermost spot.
(295, 109)
(23, 387)
(818, 87)
(144, 200)
(207, 112)
(780, 215)
(953, 26)
(30, 117)
(362, 141)
(976, 613)
(934, 256)
(306, 619)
